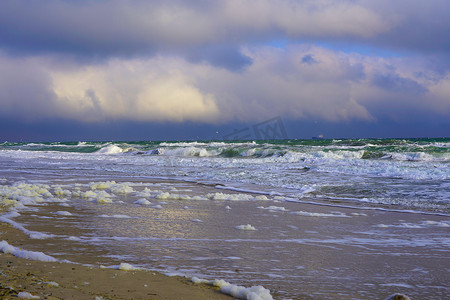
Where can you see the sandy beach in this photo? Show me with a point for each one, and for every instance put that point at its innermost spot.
(325, 249)
(55, 280)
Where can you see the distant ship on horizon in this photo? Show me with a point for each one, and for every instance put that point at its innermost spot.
(319, 137)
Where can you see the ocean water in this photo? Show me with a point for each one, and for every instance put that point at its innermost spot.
(334, 219)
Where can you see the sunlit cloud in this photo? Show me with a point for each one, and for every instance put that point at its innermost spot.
(153, 90)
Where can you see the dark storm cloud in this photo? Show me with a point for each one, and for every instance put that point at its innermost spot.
(79, 27)
(25, 90)
(146, 27)
(417, 26)
(394, 82)
(224, 56)
(104, 29)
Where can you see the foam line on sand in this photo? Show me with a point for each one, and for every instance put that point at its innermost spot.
(48, 279)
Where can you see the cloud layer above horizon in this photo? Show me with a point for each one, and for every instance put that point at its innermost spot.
(224, 61)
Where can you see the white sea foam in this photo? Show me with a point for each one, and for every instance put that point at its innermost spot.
(63, 213)
(409, 225)
(240, 292)
(26, 295)
(169, 196)
(9, 215)
(195, 144)
(58, 191)
(382, 225)
(41, 217)
(110, 149)
(189, 151)
(146, 192)
(415, 226)
(122, 188)
(235, 189)
(115, 216)
(101, 185)
(313, 214)
(232, 197)
(126, 267)
(198, 280)
(415, 156)
(32, 234)
(359, 214)
(21, 194)
(436, 223)
(99, 196)
(143, 201)
(245, 227)
(401, 225)
(273, 208)
(32, 255)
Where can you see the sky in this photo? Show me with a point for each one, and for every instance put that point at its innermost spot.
(73, 70)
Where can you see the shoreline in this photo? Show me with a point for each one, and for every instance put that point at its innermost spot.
(62, 280)
(341, 247)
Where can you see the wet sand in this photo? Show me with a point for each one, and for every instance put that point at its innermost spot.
(55, 280)
(298, 250)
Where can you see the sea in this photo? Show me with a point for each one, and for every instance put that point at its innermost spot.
(305, 219)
